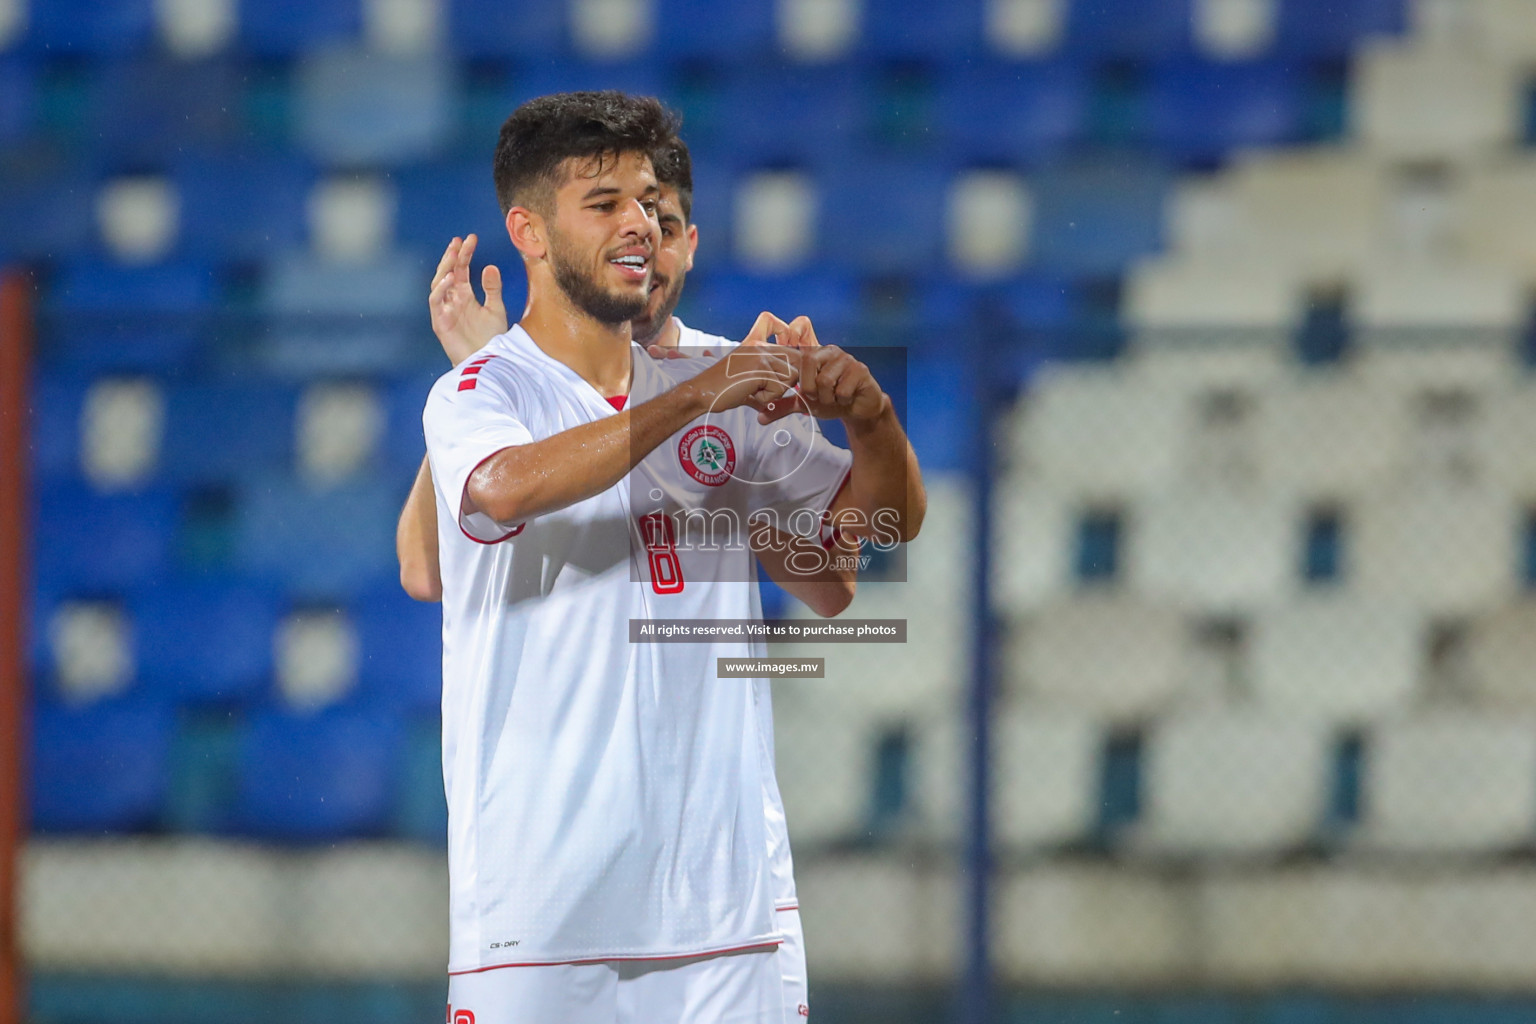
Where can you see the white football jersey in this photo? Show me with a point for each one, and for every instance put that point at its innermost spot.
(607, 799)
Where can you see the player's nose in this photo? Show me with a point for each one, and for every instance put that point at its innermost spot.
(636, 222)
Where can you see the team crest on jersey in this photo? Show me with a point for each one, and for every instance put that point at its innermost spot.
(707, 455)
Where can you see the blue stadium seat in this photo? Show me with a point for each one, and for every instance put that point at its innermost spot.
(104, 317)
(542, 77)
(1333, 28)
(1201, 110)
(727, 304)
(332, 775)
(224, 432)
(281, 28)
(883, 215)
(421, 808)
(1040, 302)
(48, 214)
(99, 768)
(400, 650)
(205, 756)
(55, 426)
(347, 319)
(941, 412)
(18, 98)
(141, 108)
(707, 29)
(365, 109)
(205, 641)
(441, 200)
(268, 218)
(1129, 29)
(325, 544)
(1014, 113)
(404, 443)
(1096, 217)
(95, 27)
(917, 29)
(519, 29)
(86, 542)
(783, 114)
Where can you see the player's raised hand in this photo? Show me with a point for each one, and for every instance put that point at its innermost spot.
(832, 385)
(461, 322)
(755, 375)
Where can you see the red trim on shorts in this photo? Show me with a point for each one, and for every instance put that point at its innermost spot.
(792, 906)
(617, 401)
(459, 519)
(770, 944)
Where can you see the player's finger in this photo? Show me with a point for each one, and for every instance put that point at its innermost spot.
(490, 280)
(853, 379)
(766, 324)
(792, 402)
(802, 334)
(467, 251)
(445, 264)
(656, 351)
(828, 374)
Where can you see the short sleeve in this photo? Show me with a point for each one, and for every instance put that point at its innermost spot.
(798, 472)
(470, 416)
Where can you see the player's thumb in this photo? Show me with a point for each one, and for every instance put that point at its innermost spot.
(490, 280)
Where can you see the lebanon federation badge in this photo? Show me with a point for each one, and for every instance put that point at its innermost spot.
(707, 454)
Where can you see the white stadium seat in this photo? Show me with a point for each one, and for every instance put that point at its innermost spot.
(824, 752)
(1106, 655)
(1045, 781)
(1180, 292)
(1505, 451)
(1331, 437)
(1336, 659)
(1445, 550)
(1495, 215)
(1433, 101)
(1214, 549)
(1091, 433)
(1449, 782)
(1318, 212)
(1501, 657)
(1032, 544)
(1437, 323)
(1233, 782)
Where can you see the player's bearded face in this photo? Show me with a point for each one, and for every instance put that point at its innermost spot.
(580, 277)
(670, 271)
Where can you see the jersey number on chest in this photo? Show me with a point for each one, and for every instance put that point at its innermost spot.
(661, 553)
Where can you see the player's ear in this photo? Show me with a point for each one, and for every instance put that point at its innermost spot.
(527, 231)
(693, 244)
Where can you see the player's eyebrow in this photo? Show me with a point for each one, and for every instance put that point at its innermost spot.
(613, 190)
(671, 218)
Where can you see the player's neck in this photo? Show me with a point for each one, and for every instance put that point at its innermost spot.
(667, 337)
(599, 353)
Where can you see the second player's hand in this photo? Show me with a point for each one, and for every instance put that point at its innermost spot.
(832, 385)
(462, 323)
(757, 375)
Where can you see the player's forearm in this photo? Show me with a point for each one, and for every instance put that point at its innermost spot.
(529, 480)
(885, 479)
(824, 580)
(416, 540)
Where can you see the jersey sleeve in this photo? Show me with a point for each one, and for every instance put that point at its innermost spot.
(470, 416)
(799, 472)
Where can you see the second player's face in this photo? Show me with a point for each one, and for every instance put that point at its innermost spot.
(603, 237)
(674, 258)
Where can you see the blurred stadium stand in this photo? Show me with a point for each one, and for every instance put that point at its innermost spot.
(1254, 282)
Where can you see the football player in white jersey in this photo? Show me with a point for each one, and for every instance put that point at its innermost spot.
(610, 857)
(464, 325)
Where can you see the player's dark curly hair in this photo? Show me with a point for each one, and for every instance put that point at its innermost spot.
(542, 134)
(674, 169)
